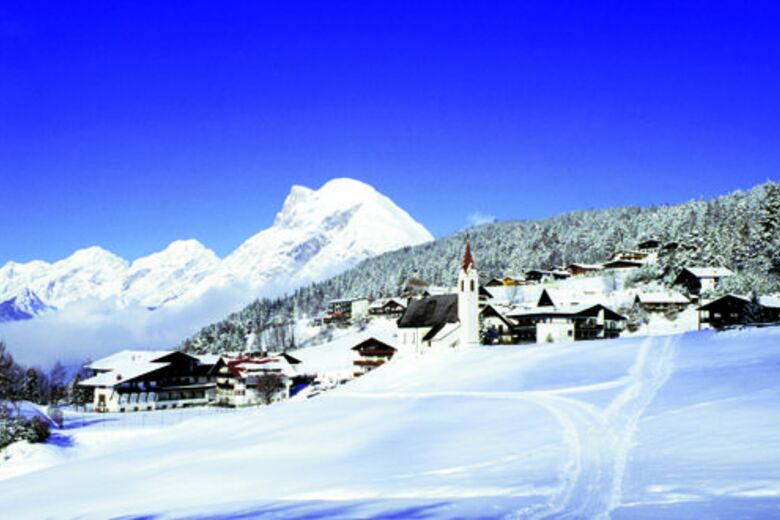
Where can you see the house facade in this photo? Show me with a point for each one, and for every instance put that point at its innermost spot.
(346, 310)
(132, 381)
(371, 354)
(623, 264)
(566, 323)
(576, 269)
(698, 280)
(392, 307)
(734, 309)
(253, 379)
(661, 302)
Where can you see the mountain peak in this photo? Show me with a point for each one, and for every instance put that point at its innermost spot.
(317, 233)
(91, 255)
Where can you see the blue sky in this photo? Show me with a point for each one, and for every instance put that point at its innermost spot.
(133, 124)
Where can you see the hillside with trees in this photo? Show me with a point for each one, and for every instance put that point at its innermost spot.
(740, 231)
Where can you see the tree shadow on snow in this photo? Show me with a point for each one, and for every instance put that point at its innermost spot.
(60, 440)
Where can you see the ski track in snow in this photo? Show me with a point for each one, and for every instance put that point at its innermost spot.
(599, 441)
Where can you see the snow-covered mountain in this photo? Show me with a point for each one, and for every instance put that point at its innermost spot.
(317, 234)
(24, 306)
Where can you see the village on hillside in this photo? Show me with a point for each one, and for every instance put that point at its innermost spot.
(562, 303)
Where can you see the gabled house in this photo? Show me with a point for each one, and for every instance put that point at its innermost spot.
(506, 281)
(138, 380)
(734, 309)
(371, 354)
(346, 310)
(543, 275)
(496, 328)
(557, 298)
(391, 307)
(661, 301)
(577, 269)
(566, 323)
(252, 379)
(630, 255)
(623, 264)
(415, 287)
(649, 246)
(698, 280)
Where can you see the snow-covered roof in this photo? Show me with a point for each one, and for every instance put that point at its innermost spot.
(247, 365)
(384, 301)
(130, 364)
(709, 272)
(662, 297)
(563, 310)
(208, 359)
(561, 297)
(435, 290)
(123, 372)
(771, 302)
(594, 267)
(441, 331)
(505, 293)
(124, 358)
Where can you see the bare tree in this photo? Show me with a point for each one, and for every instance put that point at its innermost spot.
(268, 386)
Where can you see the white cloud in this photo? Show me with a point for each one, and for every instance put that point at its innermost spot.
(477, 218)
(96, 328)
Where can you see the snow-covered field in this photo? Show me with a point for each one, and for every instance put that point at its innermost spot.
(684, 426)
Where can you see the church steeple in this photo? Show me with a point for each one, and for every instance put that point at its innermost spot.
(468, 299)
(468, 260)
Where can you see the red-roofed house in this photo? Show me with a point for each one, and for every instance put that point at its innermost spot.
(241, 379)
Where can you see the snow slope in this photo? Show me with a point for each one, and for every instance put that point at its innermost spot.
(676, 427)
(316, 235)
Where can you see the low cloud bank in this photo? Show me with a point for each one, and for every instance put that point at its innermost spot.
(96, 328)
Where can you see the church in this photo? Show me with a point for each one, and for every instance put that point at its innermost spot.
(447, 320)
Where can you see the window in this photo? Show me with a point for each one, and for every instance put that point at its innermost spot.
(462, 287)
(472, 285)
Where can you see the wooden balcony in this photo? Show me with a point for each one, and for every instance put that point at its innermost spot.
(368, 363)
(379, 352)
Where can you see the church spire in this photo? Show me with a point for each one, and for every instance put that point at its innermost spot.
(468, 260)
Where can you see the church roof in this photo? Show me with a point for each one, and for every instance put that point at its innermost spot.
(430, 312)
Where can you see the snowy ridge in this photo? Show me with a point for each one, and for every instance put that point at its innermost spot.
(24, 306)
(316, 234)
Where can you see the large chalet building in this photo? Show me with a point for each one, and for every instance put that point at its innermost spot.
(137, 380)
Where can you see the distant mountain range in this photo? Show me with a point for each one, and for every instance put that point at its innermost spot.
(316, 235)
